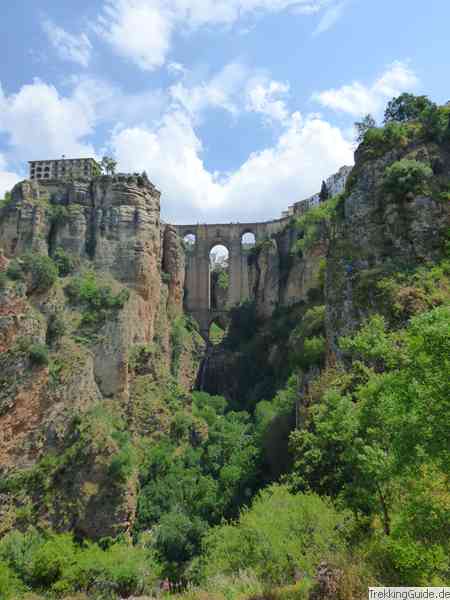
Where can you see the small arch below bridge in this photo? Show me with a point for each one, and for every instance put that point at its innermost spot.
(218, 329)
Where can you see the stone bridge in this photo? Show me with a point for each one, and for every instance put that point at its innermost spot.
(198, 271)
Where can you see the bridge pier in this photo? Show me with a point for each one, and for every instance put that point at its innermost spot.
(198, 271)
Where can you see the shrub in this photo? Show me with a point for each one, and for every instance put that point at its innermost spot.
(86, 290)
(64, 262)
(50, 560)
(315, 223)
(14, 270)
(17, 550)
(118, 571)
(38, 354)
(280, 534)
(10, 585)
(407, 176)
(313, 352)
(379, 140)
(42, 269)
(57, 564)
(56, 328)
(98, 301)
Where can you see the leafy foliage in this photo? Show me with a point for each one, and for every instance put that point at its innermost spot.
(406, 107)
(191, 481)
(41, 269)
(34, 561)
(407, 176)
(362, 127)
(280, 534)
(98, 301)
(39, 354)
(376, 427)
(316, 223)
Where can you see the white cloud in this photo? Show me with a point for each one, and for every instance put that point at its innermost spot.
(330, 18)
(141, 30)
(358, 99)
(223, 90)
(138, 30)
(74, 48)
(265, 184)
(42, 124)
(267, 97)
(234, 89)
(110, 103)
(8, 179)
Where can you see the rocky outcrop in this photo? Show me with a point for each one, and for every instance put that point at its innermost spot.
(110, 227)
(173, 266)
(379, 233)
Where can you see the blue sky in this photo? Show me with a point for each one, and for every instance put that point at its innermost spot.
(235, 108)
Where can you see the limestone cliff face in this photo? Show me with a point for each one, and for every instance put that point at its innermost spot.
(110, 227)
(279, 278)
(378, 233)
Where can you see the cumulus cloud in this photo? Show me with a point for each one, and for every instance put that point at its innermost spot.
(73, 48)
(234, 89)
(41, 123)
(141, 30)
(358, 99)
(306, 152)
(8, 179)
(223, 90)
(267, 97)
(112, 104)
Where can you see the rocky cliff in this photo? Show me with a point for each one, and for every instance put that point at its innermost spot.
(319, 278)
(91, 286)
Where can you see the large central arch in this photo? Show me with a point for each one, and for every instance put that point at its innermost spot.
(197, 283)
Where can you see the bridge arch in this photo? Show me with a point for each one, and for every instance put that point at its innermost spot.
(197, 281)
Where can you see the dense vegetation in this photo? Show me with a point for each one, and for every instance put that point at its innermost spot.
(314, 462)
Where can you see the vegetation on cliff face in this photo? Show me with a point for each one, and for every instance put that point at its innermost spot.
(315, 460)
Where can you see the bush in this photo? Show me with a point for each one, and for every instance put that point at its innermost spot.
(56, 564)
(119, 571)
(38, 354)
(42, 269)
(313, 352)
(56, 554)
(407, 177)
(86, 290)
(10, 585)
(64, 262)
(279, 535)
(56, 328)
(98, 301)
(315, 223)
(14, 271)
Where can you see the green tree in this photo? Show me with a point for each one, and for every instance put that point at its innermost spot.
(362, 127)
(407, 176)
(108, 165)
(406, 107)
(281, 534)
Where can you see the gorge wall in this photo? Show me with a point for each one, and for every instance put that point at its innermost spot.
(108, 330)
(104, 355)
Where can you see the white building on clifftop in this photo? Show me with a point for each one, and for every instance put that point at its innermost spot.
(64, 168)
